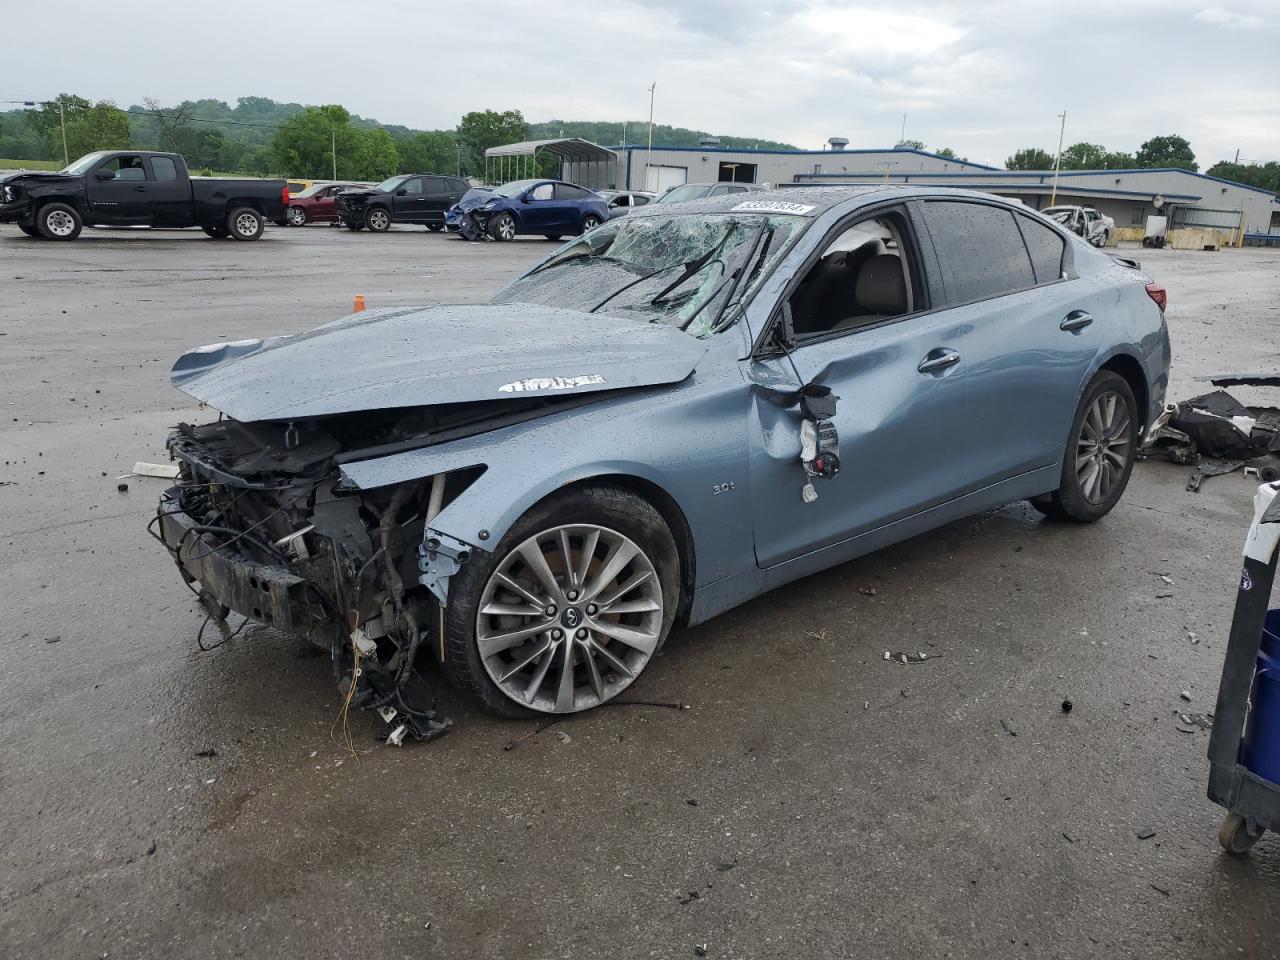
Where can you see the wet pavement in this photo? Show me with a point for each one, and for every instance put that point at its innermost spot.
(814, 800)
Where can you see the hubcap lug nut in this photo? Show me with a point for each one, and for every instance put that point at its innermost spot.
(556, 634)
(572, 595)
(550, 610)
(591, 609)
(582, 634)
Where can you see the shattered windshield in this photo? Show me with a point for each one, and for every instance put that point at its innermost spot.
(687, 271)
(85, 163)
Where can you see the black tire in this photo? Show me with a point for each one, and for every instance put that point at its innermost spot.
(217, 233)
(298, 216)
(435, 227)
(58, 221)
(30, 231)
(554, 236)
(1236, 836)
(1077, 499)
(378, 219)
(589, 222)
(245, 223)
(615, 508)
(502, 228)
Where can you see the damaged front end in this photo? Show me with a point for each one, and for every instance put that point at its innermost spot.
(260, 522)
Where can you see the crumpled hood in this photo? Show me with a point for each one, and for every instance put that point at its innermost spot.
(40, 175)
(419, 356)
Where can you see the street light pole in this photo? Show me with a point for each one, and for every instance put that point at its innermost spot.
(648, 157)
(333, 146)
(1057, 162)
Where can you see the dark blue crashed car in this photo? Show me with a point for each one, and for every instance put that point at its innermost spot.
(676, 412)
(458, 218)
(551, 208)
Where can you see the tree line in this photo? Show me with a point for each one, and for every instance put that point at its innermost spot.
(262, 137)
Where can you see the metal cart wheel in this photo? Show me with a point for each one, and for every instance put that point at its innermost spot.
(1236, 836)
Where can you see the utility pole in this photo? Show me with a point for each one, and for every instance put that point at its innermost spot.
(62, 116)
(333, 146)
(648, 157)
(903, 137)
(1057, 162)
(458, 144)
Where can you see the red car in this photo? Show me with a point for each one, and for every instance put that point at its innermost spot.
(317, 204)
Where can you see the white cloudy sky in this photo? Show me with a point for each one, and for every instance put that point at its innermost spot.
(983, 78)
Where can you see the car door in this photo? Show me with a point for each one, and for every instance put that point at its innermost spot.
(437, 198)
(1030, 333)
(539, 212)
(170, 194)
(573, 204)
(896, 366)
(408, 203)
(119, 191)
(324, 205)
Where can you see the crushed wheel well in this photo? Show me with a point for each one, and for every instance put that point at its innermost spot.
(1129, 368)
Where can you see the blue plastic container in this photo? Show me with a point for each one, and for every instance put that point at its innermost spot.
(1260, 751)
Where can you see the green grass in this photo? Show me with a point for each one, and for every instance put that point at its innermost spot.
(30, 164)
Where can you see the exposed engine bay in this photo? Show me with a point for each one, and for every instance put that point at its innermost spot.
(261, 522)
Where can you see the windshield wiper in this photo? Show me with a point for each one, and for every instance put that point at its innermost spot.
(764, 232)
(627, 286)
(693, 266)
(578, 258)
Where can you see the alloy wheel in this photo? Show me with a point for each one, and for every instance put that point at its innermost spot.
(378, 220)
(60, 223)
(506, 228)
(569, 618)
(297, 216)
(1103, 447)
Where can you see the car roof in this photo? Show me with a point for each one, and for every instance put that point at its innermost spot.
(812, 202)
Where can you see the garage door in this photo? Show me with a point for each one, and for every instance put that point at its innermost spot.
(658, 179)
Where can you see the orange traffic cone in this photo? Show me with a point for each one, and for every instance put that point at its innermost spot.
(358, 306)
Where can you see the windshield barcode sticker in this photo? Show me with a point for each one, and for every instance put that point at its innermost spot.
(773, 206)
(550, 383)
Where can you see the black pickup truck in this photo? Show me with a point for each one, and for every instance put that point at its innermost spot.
(138, 188)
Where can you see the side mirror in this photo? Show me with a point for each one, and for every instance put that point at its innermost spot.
(526, 198)
(104, 175)
(402, 192)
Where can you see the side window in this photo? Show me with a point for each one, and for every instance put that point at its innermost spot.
(164, 169)
(458, 185)
(1046, 248)
(980, 250)
(543, 191)
(638, 201)
(436, 186)
(125, 167)
(863, 277)
(621, 200)
(566, 192)
(413, 188)
(718, 191)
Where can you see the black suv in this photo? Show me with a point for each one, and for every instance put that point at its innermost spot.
(407, 198)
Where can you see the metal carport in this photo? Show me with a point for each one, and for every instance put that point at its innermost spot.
(581, 161)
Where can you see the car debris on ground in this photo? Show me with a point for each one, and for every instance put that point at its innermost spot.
(1218, 434)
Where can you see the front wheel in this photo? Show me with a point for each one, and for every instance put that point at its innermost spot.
(58, 221)
(1101, 240)
(378, 220)
(568, 609)
(590, 222)
(297, 217)
(245, 223)
(503, 227)
(1100, 453)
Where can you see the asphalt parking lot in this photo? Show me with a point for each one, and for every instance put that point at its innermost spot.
(814, 800)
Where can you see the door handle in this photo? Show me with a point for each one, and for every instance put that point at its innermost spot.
(1076, 320)
(140, 189)
(935, 362)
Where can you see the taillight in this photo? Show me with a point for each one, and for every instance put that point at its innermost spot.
(1158, 294)
(285, 195)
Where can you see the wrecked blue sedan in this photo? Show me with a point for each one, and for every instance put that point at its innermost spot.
(671, 414)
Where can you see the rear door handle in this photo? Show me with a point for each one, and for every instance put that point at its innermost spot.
(1076, 320)
(936, 361)
(140, 189)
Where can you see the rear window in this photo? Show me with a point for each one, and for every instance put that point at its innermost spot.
(980, 250)
(164, 169)
(1046, 248)
(565, 191)
(461, 186)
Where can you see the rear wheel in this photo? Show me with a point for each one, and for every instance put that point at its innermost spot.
(297, 217)
(568, 609)
(58, 221)
(378, 220)
(245, 223)
(1100, 453)
(590, 222)
(503, 227)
